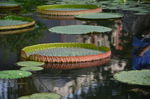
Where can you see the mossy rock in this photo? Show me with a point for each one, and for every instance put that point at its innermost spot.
(135, 77)
(79, 29)
(14, 74)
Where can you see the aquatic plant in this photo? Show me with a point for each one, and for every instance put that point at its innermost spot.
(26, 53)
(29, 63)
(15, 22)
(42, 96)
(98, 16)
(67, 9)
(79, 29)
(14, 74)
(136, 77)
(31, 68)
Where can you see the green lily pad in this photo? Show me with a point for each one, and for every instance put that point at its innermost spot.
(11, 22)
(98, 16)
(7, 4)
(31, 68)
(14, 74)
(42, 96)
(66, 52)
(30, 63)
(79, 29)
(137, 77)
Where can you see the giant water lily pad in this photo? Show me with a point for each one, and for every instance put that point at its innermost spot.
(11, 22)
(137, 77)
(42, 96)
(97, 16)
(15, 22)
(79, 29)
(8, 5)
(14, 74)
(31, 68)
(64, 52)
(30, 63)
(67, 9)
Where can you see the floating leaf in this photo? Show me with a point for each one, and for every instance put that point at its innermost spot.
(138, 77)
(15, 22)
(14, 74)
(72, 9)
(30, 63)
(42, 96)
(29, 52)
(99, 16)
(31, 68)
(79, 29)
(8, 4)
(11, 22)
(66, 52)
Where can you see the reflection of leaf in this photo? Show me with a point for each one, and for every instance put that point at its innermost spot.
(14, 74)
(42, 96)
(138, 77)
(29, 63)
(79, 29)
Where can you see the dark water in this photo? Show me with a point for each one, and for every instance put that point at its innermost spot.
(85, 83)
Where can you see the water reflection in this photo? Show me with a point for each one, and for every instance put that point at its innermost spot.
(78, 83)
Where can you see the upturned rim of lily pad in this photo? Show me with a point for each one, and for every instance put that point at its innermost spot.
(79, 29)
(14, 74)
(32, 68)
(40, 95)
(30, 22)
(25, 52)
(134, 77)
(90, 9)
(29, 63)
(99, 16)
(10, 5)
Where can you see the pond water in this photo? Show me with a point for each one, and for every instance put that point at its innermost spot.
(83, 83)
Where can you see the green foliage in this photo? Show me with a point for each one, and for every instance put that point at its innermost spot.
(137, 77)
(30, 5)
(14, 74)
(42, 96)
(29, 63)
(13, 17)
(79, 29)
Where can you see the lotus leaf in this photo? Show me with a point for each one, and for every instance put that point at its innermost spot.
(42, 96)
(14, 74)
(29, 63)
(137, 77)
(31, 68)
(66, 52)
(79, 29)
(99, 16)
(11, 22)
